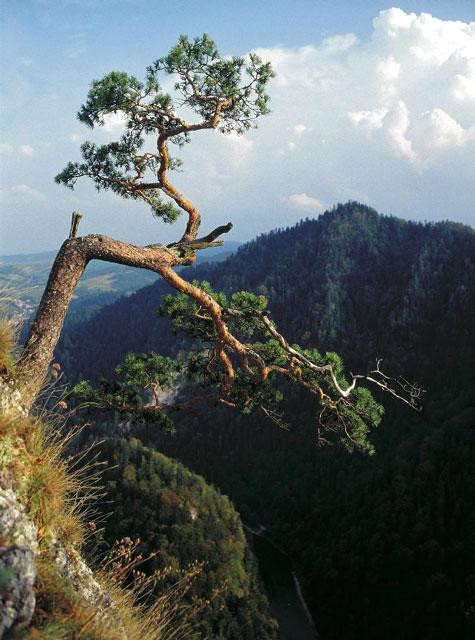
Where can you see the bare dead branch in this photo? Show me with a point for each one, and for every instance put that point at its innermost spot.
(202, 243)
(408, 392)
(75, 220)
(209, 240)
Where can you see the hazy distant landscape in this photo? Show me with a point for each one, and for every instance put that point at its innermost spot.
(23, 278)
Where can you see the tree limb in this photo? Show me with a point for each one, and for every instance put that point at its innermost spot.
(205, 242)
(70, 263)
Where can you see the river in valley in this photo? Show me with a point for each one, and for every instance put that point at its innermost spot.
(283, 589)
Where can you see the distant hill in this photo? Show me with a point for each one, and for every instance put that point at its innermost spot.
(28, 258)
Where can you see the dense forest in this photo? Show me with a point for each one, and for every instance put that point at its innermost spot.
(182, 522)
(385, 544)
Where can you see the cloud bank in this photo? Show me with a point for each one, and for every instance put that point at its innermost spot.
(389, 121)
(412, 87)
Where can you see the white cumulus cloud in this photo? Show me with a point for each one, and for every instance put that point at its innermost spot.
(339, 44)
(239, 147)
(392, 117)
(22, 149)
(389, 121)
(396, 122)
(300, 129)
(445, 131)
(425, 69)
(371, 119)
(26, 149)
(114, 122)
(413, 65)
(22, 194)
(303, 201)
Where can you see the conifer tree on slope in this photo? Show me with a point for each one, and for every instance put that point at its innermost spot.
(226, 94)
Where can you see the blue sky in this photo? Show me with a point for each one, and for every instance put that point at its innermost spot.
(372, 106)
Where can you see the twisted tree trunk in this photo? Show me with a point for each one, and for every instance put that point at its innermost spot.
(67, 269)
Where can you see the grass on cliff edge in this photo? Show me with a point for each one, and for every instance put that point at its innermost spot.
(9, 330)
(58, 493)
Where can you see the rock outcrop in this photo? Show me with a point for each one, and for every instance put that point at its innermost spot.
(10, 398)
(18, 537)
(19, 548)
(17, 563)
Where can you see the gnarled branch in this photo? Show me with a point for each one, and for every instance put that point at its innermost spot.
(70, 263)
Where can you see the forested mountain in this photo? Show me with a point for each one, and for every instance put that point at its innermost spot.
(385, 544)
(354, 281)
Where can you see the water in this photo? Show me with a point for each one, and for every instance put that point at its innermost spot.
(281, 585)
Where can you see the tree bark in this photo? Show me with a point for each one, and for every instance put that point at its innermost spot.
(70, 263)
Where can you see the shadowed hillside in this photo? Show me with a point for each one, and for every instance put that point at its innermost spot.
(385, 545)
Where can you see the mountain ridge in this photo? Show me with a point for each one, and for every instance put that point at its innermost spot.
(315, 260)
(383, 544)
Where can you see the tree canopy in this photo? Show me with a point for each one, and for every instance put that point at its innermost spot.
(228, 94)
